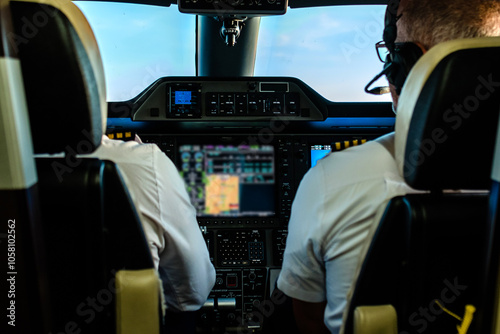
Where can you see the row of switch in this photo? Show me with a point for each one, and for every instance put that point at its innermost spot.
(234, 222)
(252, 104)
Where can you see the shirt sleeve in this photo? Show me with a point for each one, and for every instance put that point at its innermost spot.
(183, 255)
(303, 272)
(169, 221)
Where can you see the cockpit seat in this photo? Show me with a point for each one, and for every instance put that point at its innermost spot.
(491, 317)
(101, 275)
(427, 257)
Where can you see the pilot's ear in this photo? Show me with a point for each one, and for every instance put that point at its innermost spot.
(395, 97)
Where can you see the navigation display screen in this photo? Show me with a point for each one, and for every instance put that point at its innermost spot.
(229, 181)
(319, 152)
(182, 97)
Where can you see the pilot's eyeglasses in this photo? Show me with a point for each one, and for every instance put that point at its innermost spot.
(382, 51)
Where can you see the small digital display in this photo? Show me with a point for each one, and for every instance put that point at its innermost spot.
(182, 97)
(229, 181)
(319, 152)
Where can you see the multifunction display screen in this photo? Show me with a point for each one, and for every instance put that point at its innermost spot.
(229, 180)
(319, 152)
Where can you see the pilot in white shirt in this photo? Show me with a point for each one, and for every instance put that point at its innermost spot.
(168, 218)
(332, 214)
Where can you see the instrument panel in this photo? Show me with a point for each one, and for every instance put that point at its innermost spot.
(243, 194)
(243, 99)
(242, 146)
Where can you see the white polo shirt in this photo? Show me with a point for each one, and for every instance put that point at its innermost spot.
(332, 214)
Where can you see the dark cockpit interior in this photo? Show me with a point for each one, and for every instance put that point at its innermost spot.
(244, 97)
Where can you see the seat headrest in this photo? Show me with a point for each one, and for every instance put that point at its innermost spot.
(62, 73)
(448, 115)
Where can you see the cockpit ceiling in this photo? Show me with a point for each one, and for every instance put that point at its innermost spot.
(291, 3)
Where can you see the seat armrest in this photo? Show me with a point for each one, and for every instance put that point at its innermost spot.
(137, 301)
(379, 319)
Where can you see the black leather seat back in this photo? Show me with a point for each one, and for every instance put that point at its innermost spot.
(450, 144)
(90, 226)
(59, 79)
(93, 231)
(425, 250)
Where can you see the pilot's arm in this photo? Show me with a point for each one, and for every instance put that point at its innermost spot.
(322, 250)
(169, 221)
(177, 245)
(303, 275)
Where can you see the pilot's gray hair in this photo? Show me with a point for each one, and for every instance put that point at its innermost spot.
(430, 22)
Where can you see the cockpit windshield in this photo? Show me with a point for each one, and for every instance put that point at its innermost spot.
(329, 48)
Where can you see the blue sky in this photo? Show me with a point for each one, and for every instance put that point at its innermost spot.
(329, 48)
(140, 43)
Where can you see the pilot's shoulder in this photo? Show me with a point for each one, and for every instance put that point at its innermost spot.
(127, 151)
(373, 155)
